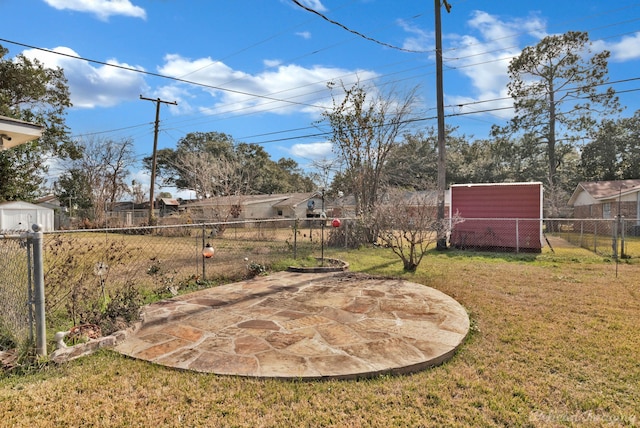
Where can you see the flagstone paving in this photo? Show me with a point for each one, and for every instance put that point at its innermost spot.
(302, 326)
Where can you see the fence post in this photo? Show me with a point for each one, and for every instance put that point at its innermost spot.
(614, 239)
(517, 237)
(622, 230)
(204, 269)
(295, 238)
(38, 285)
(30, 291)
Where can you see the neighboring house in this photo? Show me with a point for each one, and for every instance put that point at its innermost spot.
(345, 206)
(20, 216)
(127, 214)
(256, 207)
(503, 216)
(607, 199)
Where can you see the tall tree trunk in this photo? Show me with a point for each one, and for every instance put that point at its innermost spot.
(551, 143)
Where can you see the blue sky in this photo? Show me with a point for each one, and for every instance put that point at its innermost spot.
(257, 69)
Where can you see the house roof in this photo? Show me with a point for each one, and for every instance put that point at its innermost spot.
(170, 202)
(49, 199)
(15, 132)
(280, 199)
(294, 199)
(603, 190)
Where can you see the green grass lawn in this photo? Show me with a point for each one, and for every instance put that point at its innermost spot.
(554, 342)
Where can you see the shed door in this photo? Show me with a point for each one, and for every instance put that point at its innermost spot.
(18, 219)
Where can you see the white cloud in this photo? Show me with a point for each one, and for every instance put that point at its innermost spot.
(314, 4)
(628, 48)
(419, 40)
(272, 62)
(103, 9)
(284, 89)
(312, 151)
(304, 34)
(484, 58)
(92, 86)
(279, 89)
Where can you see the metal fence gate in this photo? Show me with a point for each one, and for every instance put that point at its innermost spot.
(22, 319)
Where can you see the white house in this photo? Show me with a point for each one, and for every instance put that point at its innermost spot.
(607, 199)
(257, 207)
(20, 216)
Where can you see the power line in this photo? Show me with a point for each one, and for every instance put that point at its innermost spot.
(149, 73)
(357, 33)
(272, 99)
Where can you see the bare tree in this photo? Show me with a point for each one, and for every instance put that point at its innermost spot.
(211, 176)
(137, 192)
(365, 125)
(101, 171)
(407, 222)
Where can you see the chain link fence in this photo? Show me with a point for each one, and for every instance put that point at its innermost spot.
(90, 272)
(16, 315)
(498, 234)
(616, 238)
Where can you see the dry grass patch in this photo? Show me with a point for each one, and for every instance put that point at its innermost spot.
(554, 343)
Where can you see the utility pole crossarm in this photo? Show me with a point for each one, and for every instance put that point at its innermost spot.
(158, 101)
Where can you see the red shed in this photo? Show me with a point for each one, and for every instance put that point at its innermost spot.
(498, 216)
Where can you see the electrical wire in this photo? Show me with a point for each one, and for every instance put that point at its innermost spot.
(267, 97)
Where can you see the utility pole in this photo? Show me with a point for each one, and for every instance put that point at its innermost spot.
(158, 101)
(441, 243)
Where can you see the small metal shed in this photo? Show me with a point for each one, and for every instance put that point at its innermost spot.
(20, 216)
(498, 216)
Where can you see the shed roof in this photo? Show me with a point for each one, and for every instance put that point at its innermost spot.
(21, 205)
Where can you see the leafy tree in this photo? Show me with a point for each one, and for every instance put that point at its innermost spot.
(21, 170)
(557, 86)
(255, 169)
(213, 163)
(291, 178)
(614, 153)
(29, 91)
(413, 164)
(180, 167)
(365, 128)
(73, 189)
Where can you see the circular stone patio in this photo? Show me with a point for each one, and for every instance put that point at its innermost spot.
(302, 326)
